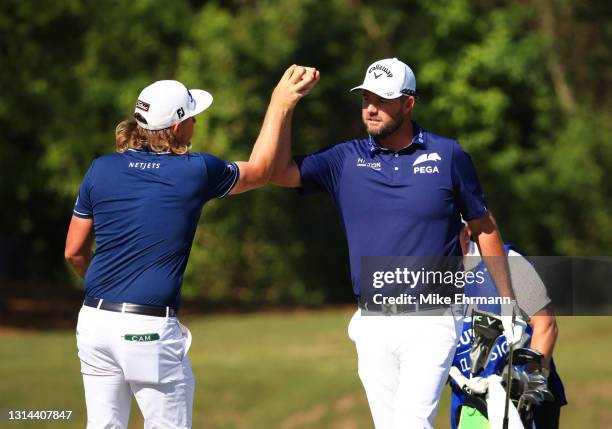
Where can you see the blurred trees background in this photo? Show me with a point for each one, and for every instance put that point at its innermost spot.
(524, 85)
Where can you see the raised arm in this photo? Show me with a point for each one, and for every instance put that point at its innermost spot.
(286, 172)
(275, 132)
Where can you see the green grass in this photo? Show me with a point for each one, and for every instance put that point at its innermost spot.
(283, 370)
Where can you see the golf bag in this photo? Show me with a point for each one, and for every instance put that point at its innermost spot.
(526, 390)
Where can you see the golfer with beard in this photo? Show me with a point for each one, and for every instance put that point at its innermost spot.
(400, 192)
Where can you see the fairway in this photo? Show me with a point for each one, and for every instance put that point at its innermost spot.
(282, 370)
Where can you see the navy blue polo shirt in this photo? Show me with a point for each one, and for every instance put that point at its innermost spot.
(405, 203)
(145, 209)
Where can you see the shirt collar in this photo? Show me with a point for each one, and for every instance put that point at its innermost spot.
(418, 138)
(148, 151)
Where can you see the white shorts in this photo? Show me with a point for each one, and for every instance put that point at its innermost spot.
(123, 354)
(403, 363)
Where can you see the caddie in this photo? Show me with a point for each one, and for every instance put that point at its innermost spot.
(540, 335)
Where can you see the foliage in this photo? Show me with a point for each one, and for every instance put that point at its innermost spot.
(522, 85)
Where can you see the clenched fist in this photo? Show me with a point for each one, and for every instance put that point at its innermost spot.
(297, 81)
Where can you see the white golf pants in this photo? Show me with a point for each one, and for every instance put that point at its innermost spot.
(403, 363)
(123, 354)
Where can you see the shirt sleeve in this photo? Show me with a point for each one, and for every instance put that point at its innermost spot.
(530, 291)
(468, 192)
(221, 176)
(83, 206)
(321, 170)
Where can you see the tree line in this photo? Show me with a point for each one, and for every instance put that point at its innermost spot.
(524, 86)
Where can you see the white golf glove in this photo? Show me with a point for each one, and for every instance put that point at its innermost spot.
(513, 332)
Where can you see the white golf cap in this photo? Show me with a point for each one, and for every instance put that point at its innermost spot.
(389, 78)
(167, 102)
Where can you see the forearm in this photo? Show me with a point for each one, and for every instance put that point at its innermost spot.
(493, 254)
(80, 262)
(283, 161)
(544, 334)
(494, 257)
(273, 137)
(79, 240)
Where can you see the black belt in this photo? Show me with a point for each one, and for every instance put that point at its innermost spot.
(387, 309)
(124, 307)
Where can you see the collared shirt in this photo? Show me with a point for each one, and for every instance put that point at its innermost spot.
(404, 203)
(145, 209)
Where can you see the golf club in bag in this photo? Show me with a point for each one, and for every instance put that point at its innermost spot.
(525, 389)
(473, 413)
(528, 388)
(487, 328)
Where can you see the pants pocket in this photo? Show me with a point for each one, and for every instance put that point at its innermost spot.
(157, 358)
(186, 337)
(173, 362)
(141, 361)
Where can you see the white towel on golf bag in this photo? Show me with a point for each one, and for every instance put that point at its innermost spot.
(496, 400)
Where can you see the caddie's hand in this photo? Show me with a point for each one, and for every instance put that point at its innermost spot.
(513, 331)
(297, 81)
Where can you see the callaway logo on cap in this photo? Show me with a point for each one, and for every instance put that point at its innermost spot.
(389, 78)
(167, 102)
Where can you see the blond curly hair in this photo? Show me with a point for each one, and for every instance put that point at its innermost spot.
(129, 135)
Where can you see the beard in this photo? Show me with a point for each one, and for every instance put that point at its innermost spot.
(385, 130)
